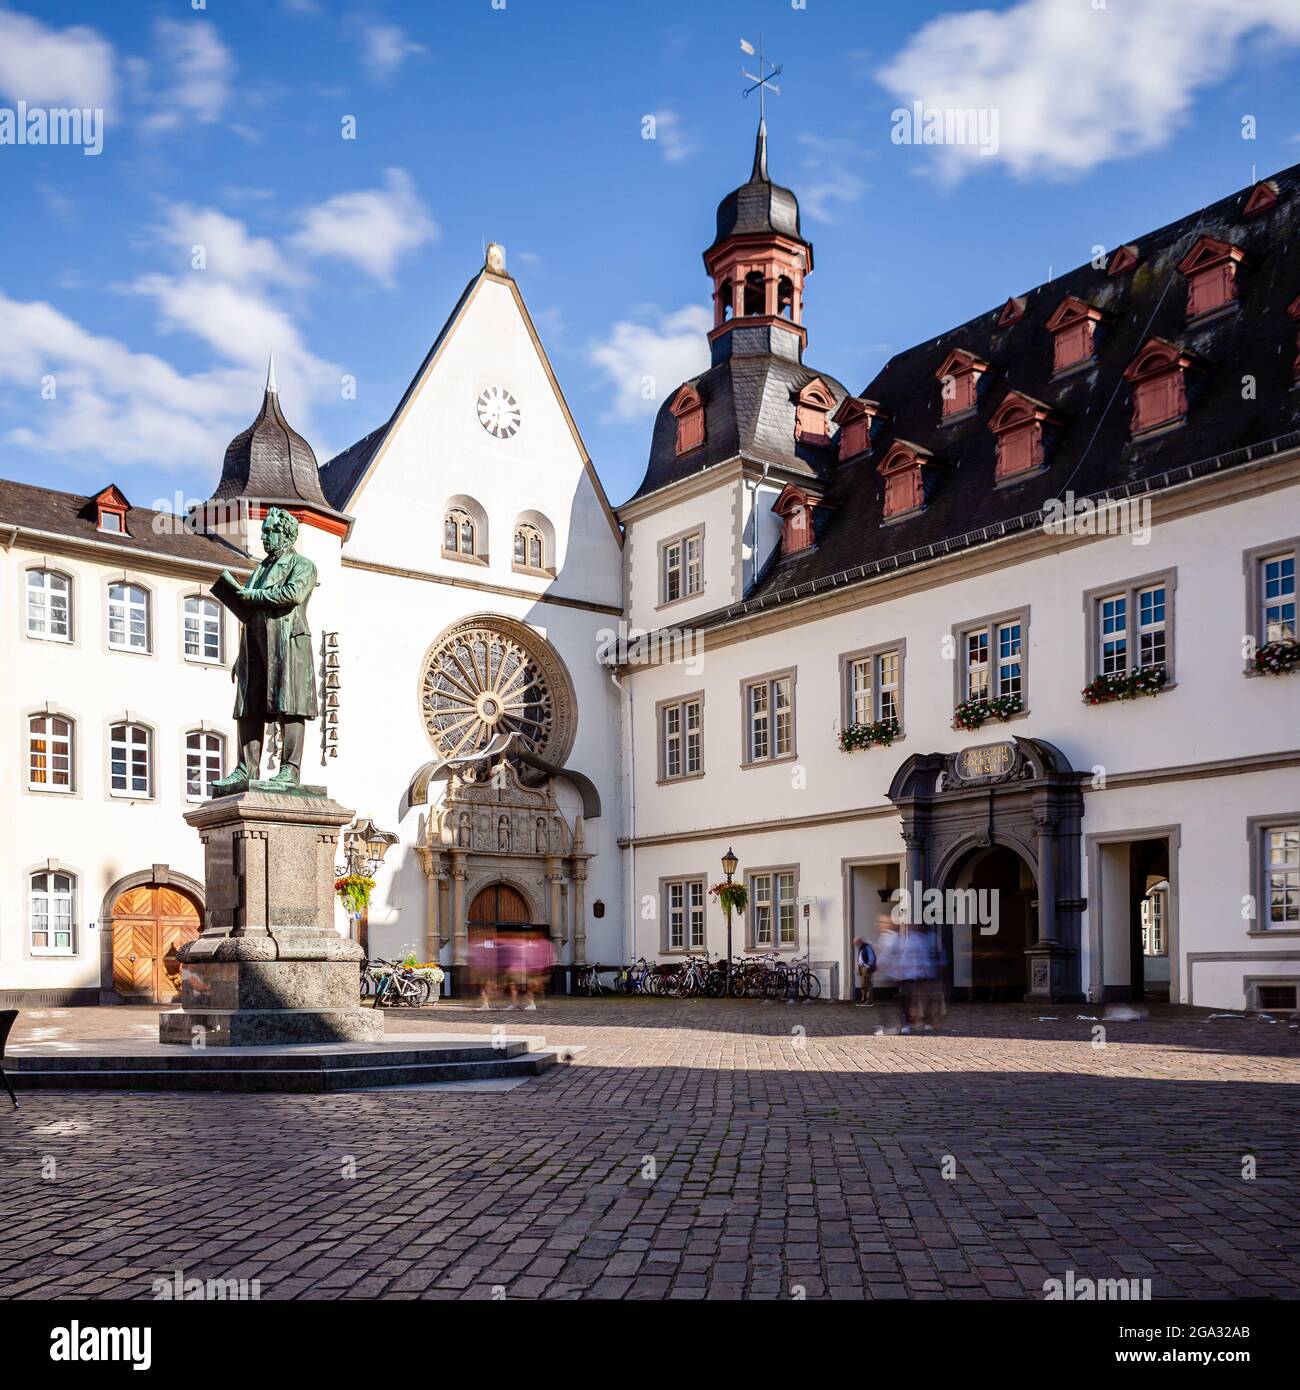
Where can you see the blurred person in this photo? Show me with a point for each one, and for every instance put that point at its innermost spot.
(483, 967)
(864, 957)
(540, 957)
(889, 961)
(928, 1006)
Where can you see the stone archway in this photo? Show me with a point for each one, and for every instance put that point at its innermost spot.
(1020, 794)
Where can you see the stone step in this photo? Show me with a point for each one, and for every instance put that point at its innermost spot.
(414, 1068)
(181, 1059)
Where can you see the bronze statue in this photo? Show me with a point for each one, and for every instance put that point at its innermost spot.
(274, 672)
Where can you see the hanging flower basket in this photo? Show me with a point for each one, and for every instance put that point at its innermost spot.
(732, 897)
(970, 714)
(880, 732)
(355, 890)
(1125, 685)
(1277, 658)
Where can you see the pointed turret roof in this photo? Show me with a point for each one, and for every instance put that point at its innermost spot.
(759, 207)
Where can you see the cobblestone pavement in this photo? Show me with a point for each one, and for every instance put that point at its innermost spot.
(693, 1150)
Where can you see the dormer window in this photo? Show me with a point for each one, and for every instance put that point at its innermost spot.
(1159, 377)
(902, 469)
(688, 409)
(1262, 197)
(813, 406)
(1122, 259)
(1018, 425)
(1072, 326)
(959, 379)
(1211, 270)
(795, 507)
(110, 511)
(857, 419)
(1012, 311)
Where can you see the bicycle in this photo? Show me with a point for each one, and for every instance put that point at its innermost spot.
(400, 986)
(586, 980)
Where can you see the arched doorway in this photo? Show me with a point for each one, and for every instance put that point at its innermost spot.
(986, 936)
(501, 936)
(150, 923)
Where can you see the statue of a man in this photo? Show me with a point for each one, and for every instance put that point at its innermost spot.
(274, 672)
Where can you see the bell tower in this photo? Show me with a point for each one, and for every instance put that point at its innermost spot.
(758, 262)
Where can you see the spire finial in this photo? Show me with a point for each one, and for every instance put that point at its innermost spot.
(271, 388)
(760, 153)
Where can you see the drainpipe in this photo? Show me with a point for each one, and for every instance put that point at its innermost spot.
(629, 932)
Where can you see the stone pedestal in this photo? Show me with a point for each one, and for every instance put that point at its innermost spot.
(1049, 972)
(269, 967)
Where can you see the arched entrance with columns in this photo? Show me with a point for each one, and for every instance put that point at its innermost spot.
(1002, 819)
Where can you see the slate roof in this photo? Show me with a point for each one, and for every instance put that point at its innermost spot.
(1092, 452)
(68, 514)
(759, 206)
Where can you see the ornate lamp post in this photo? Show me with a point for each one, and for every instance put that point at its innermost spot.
(364, 848)
(729, 864)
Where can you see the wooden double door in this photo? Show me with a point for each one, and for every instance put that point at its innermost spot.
(150, 925)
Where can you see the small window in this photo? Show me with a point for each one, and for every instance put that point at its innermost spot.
(902, 469)
(459, 534)
(682, 568)
(688, 410)
(1211, 269)
(52, 912)
(1072, 325)
(111, 521)
(813, 407)
(993, 661)
(49, 753)
(49, 606)
(130, 760)
(1281, 850)
(202, 629)
(529, 551)
(1158, 375)
(769, 719)
(1155, 916)
(205, 756)
(959, 381)
(128, 618)
(772, 921)
(684, 915)
(1277, 615)
(873, 689)
(1133, 628)
(681, 731)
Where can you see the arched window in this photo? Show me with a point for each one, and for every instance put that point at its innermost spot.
(785, 297)
(459, 533)
(755, 293)
(51, 913)
(726, 301)
(49, 606)
(128, 618)
(49, 753)
(529, 550)
(130, 760)
(202, 629)
(205, 759)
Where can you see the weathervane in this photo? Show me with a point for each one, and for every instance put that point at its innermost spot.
(762, 83)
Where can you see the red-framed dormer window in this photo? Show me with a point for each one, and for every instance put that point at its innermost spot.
(902, 469)
(1018, 425)
(795, 506)
(959, 378)
(1012, 311)
(857, 419)
(1211, 271)
(1072, 326)
(1262, 197)
(688, 409)
(111, 508)
(812, 412)
(1159, 379)
(1122, 258)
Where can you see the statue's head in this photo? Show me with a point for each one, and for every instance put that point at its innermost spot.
(279, 531)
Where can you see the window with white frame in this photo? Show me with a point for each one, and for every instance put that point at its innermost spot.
(873, 686)
(49, 753)
(130, 760)
(1155, 913)
(681, 729)
(1281, 879)
(769, 718)
(992, 660)
(51, 913)
(128, 618)
(205, 756)
(202, 629)
(772, 905)
(684, 914)
(683, 573)
(49, 605)
(1132, 627)
(1277, 615)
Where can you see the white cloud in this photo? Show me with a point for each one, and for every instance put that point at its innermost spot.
(384, 48)
(1075, 85)
(372, 229)
(827, 177)
(199, 70)
(229, 252)
(674, 144)
(54, 67)
(645, 361)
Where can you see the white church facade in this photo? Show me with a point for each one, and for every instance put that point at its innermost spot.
(859, 642)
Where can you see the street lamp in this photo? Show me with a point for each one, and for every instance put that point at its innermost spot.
(364, 847)
(729, 864)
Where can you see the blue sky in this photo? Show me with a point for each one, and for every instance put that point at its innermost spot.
(524, 124)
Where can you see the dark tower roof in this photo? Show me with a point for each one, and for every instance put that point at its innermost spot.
(759, 207)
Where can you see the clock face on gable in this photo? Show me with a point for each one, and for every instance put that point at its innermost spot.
(498, 411)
